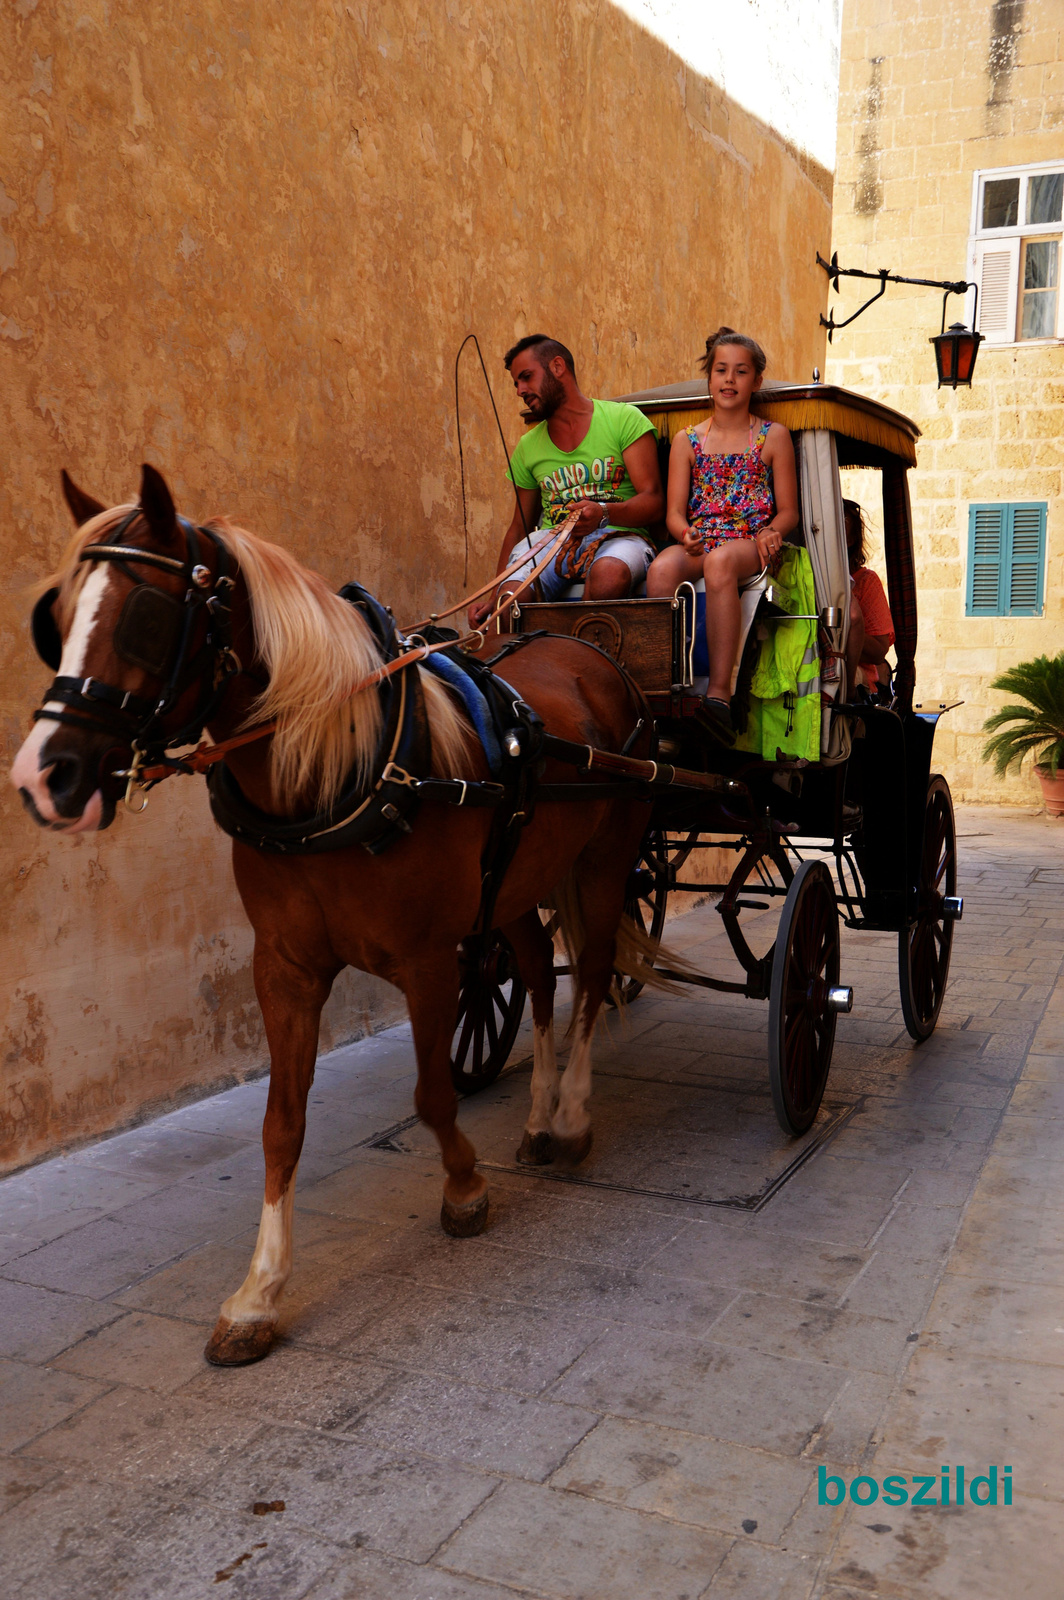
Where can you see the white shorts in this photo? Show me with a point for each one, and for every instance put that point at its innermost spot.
(631, 548)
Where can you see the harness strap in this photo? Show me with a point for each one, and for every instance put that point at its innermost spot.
(202, 759)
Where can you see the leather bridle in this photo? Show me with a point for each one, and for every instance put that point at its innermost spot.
(138, 720)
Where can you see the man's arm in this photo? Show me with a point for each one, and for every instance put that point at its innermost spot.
(647, 505)
(529, 502)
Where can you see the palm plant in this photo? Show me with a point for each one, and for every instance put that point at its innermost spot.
(1038, 725)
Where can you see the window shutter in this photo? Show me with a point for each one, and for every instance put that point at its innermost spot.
(1026, 560)
(997, 272)
(986, 540)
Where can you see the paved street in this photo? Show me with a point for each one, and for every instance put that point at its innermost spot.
(625, 1388)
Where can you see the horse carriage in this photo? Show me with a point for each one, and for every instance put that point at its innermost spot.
(330, 734)
(859, 825)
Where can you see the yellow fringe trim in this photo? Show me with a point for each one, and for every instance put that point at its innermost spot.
(798, 415)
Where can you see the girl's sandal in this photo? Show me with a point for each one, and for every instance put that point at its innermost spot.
(716, 717)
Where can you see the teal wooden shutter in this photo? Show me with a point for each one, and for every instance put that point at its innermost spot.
(986, 546)
(1006, 559)
(1027, 544)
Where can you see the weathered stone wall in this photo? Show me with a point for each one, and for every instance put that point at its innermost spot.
(245, 243)
(931, 92)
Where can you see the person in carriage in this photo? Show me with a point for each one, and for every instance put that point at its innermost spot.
(595, 456)
(871, 624)
(732, 500)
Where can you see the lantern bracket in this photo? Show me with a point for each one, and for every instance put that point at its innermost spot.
(884, 276)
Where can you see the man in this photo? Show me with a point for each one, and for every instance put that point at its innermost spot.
(596, 456)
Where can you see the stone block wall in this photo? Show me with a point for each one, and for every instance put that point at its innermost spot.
(932, 91)
(244, 243)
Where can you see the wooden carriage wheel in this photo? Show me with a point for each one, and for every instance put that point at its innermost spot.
(924, 947)
(491, 1002)
(801, 1020)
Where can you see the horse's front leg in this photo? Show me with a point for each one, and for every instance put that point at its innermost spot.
(431, 990)
(291, 999)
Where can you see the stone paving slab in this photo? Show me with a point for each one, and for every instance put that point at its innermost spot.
(612, 1392)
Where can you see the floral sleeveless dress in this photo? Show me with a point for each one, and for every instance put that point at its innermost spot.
(731, 495)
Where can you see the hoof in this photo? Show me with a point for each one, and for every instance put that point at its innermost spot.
(535, 1149)
(465, 1222)
(570, 1152)
(236, 1344)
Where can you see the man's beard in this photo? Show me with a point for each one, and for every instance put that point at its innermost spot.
(548, 400)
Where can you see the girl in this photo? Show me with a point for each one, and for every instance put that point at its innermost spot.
(732, 499)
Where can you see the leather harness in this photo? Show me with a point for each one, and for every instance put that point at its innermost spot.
(155, 631)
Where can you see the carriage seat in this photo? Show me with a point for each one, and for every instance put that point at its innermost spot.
(751, 595)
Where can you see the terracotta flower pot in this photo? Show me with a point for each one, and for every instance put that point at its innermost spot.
(1052, 790)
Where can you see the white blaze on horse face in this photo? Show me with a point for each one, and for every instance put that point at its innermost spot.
(27, 772)
(257, 1298)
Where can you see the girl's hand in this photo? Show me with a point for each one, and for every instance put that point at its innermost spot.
(691, 541)
(769, 543)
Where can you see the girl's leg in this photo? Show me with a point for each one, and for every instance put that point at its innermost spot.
(668, 570)
(724, 569)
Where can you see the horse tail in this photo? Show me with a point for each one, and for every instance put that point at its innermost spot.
(636, 953)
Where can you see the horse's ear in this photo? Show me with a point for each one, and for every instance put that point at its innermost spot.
(82, 506)
(157, 505)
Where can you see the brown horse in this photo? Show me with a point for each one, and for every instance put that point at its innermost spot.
(291, 654)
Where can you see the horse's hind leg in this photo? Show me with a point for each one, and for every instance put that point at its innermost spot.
(600, 876)
(431, 990)
(534, 949)
(291, 999)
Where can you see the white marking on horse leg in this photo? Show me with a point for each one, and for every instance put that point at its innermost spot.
(27, 772)
(257, 1298)
(544, 1079)
(573, 1116)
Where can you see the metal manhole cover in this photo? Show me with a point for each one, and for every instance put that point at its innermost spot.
(710, 1144)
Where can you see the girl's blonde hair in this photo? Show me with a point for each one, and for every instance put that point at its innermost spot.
(729, 336)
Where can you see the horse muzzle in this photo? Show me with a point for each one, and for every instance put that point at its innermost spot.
(66, 781)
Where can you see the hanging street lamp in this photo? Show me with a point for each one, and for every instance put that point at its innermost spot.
(956, 347)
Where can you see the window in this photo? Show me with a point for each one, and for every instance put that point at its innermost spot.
(1015, 251)
(1006, 559)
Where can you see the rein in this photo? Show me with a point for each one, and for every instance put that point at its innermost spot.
(205, 756)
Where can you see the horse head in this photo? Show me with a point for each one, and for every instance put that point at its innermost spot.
(138, 631)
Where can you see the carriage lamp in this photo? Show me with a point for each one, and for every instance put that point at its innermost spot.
(956, 347)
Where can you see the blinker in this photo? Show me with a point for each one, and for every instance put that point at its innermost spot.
(47, 640)
(149, 628)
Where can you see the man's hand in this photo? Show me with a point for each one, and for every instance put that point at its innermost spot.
(591, 515)
(480, 609)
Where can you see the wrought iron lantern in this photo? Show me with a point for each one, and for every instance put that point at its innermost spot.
(956, 347)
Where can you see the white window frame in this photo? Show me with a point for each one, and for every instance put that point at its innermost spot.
(1008, 242)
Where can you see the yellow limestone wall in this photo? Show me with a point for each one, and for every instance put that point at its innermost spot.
(932, 91)
(244, 243)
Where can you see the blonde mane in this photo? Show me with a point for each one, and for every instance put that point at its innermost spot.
(315, 649)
